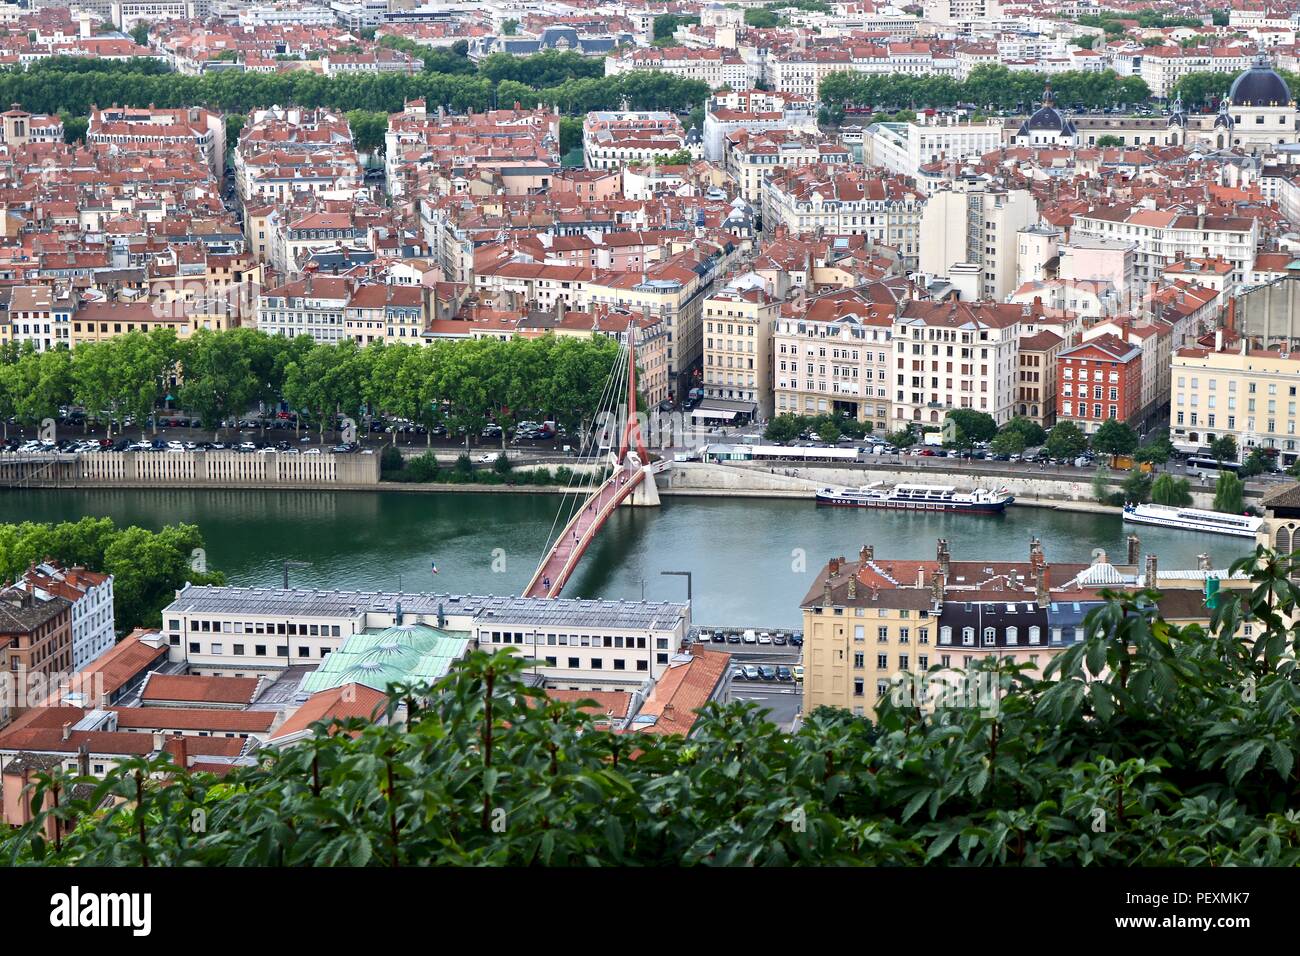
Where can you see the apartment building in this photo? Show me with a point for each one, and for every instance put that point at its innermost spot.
(955, 354)
(40, 314)
(852, 201)
(738, 327)
(1236, 390)
(383, 312)
(1036, 377)
(312, 305)
(134, 128)
(754, 111)
(611, 140)
(751, 157)
(714, 66)
(91, 596)
(97, 321)
(35, 643)
(976, 222)
(1163, 236)
(1099, 380)
(904, 148)
(831, 353)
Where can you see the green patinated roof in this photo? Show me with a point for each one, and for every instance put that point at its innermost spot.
(401, 654)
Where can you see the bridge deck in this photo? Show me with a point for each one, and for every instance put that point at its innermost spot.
(563, 557)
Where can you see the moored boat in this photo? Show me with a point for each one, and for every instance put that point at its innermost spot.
(918, 498)
(1193, 519)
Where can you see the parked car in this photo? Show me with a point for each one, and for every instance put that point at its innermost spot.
(247, 446)
(797, 671)
(738, 673)
(796, 639)
(751, 672)
(778, 639)
(733, 638)
(783, 673)
(767, 672)
(765, 638)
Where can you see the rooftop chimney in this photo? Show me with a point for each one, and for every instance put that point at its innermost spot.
(1152, 575)
(1134, 549)
(826, 593)
(868, 553)
(1040, 585)
(1203, 562)
(67, 731)
(853, 587)
(834, 568)
(397, 615)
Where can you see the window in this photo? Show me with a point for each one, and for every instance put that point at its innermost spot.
(990, 636)
(1013, 635)
(945, 635)
(968, 635)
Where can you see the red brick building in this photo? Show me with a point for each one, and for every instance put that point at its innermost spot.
(1099, 380)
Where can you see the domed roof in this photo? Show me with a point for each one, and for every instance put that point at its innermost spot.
(1259, 86)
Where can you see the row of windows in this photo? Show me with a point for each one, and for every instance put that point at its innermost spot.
(259, 627)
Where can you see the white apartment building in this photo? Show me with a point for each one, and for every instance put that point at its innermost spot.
(963, 14)
(754, 111)
(1250, 394)
(953, 354)
(91, 594)
(904, 148)
(1161, 236)
(713, 66)
(976, 223)
(846, 202)
(312, 305)
(38, 314)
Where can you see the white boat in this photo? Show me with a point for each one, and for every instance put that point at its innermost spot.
(918, 498)
(1193, 519)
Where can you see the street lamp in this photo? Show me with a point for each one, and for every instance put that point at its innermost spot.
(293, 564)
(687, 576)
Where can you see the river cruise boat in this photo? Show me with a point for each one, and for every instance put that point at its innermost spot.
(1192, 519)
(918, 498)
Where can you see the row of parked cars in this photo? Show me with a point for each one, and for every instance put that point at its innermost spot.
(768, 672)
(750, 636)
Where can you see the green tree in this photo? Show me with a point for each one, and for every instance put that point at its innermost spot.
(510, 28)
(1065, 440)
(1114, 437)
(828, 431)
(1030, 430)
(1108, 140)
(1101, 486)
(974, 426)
(760, 18)
(1157, 451)
(218, 381)
(1008, 442)
(1168, 490)
(1136, 487)
(1224, 448)
(140, 34)
(1229, 492)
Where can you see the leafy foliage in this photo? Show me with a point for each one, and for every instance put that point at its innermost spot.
(1145, 744)
(147, 566)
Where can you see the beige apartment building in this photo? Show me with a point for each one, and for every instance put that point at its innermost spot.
(831, 353)
(1036, 377)
(738, 325)
(1250, 394)
(955, 354)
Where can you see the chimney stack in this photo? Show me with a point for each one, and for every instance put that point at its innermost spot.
(826, 593)
(868, 553)
(853, 586)
(1203, 562)
(833, 568)
(67, 731)
(1040, 585)
(1134, 549)
(1152, 575)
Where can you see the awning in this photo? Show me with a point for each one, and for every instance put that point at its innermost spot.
(712, 413)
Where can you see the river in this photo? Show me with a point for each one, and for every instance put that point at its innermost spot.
(744, 554)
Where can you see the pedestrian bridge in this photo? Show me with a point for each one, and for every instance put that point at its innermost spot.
(631, 482)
